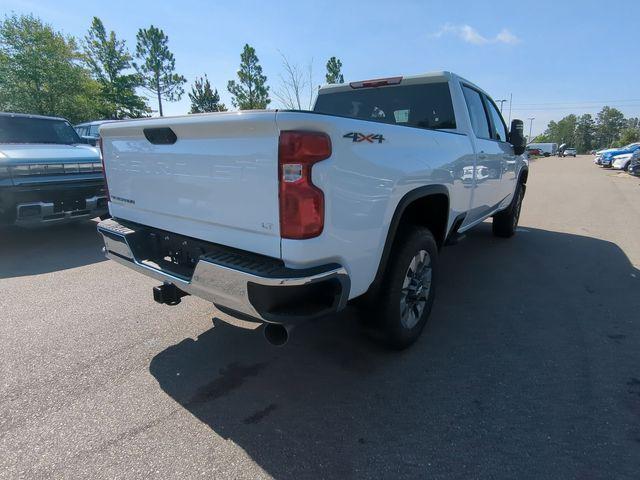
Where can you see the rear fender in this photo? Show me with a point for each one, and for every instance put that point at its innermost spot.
(396, 223)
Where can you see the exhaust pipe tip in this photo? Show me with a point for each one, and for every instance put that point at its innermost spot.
(276, 334)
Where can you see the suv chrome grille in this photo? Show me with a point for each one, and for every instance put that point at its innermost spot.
(37, 169)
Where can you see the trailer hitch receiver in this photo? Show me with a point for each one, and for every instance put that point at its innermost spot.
(168, 294)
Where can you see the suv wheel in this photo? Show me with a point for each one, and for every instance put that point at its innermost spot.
(505, 222)
(407, 290)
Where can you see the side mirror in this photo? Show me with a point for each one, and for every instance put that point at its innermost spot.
(516, 137)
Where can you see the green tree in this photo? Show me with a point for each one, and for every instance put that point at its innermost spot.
(204, 98)
(549, 135)
(334, 71)
(108, 58)
(609, 123)
(629, 135)
(157, 70)
(251, 91)
(41, 71)
(567, 130)
(562, 131)
(585, 132)
(541, 138)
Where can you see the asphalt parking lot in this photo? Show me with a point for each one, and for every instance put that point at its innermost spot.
(529, 367)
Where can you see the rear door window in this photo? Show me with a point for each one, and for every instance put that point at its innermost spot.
(424, 106)
(477, 113)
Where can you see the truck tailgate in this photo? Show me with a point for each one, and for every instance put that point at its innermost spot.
(217, 182)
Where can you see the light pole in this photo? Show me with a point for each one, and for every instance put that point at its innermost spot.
(531, 119)
(501, 102)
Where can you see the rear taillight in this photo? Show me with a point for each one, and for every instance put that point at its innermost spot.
(99, 144)
(301, 202)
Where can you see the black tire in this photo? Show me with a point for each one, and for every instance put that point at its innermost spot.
(395, 330)
(505, 222)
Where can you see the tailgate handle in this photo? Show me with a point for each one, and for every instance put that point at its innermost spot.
(160, 135)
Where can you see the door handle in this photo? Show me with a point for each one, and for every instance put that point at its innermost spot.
(481, 156)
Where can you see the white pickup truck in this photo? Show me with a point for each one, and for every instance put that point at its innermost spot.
(282, 216)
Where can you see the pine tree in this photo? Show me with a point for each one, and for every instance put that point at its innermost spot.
(251, 91)
(609, 123)
(585, 132)
(334, 71)
(157, 69)
(107, 57)
(204, 98)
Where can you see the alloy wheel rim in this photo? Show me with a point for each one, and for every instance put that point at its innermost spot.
(416, 288)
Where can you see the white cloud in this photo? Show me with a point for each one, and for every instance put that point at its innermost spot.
(505, 36)
(469, 34)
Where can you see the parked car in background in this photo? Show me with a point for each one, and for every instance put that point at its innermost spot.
(47, 174)
(634, 164)
(89, 130)
(569, 152)
(547, 149)
(619, 159)
(600, 153)
(532, 151)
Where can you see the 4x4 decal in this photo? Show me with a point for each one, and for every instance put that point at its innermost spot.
(361, 137)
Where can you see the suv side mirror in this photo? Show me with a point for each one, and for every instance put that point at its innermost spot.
(516, 137)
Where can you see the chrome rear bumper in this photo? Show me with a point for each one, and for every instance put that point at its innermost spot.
(259, 287)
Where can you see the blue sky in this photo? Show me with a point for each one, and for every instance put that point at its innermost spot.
(555, 57)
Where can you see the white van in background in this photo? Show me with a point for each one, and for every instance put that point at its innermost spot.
(547, 149)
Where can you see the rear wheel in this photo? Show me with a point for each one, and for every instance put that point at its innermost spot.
(505, 222)
(403, 305)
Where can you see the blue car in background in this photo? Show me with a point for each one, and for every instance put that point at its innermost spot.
(89, 131)
(621, 158)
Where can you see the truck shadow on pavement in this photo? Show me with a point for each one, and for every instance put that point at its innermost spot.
(525, 366)
(32, 251)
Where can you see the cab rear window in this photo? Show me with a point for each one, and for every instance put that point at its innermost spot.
(422, 106)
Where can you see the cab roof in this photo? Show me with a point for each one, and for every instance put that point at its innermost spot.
(430, 77)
